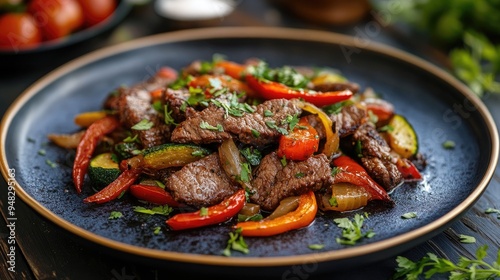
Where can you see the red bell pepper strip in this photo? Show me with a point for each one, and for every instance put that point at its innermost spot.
(274, 90)
(351, 172)
(215, 214)
(301, 217)
(408, 170)
(153, 194)
(116, 188)
(380, 108)
(299, 144)
(224, 81)
(94, 133)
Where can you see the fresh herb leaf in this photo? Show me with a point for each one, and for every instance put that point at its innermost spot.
(335, 171)
(386, 128)
(351, 230)
(465, 268)
(252, 155)
(245, 172)
(51, 163)
(316, 246)
(333, 201)
(272, 125)
(409, 215)
(169, 120)
(157, 230)
(132, 139)
(358, 149)
(268, 113)
(208, 126)
(198, 153)
(493, 210)
(255, 133)
(143, 125)
(115, 215)
(467, 238)
(299, 175)
(42, 152)
(203, 211)
(236, 243)
(449, 144)
(283, 161)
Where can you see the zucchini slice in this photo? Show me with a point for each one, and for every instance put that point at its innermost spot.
(103, 170)
(402, 137)
(172, 154)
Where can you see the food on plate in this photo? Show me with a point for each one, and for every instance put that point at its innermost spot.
(261, 148)
(26, 24)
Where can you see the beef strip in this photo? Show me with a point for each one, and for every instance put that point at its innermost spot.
(175, 99)
(194, 129)
(134, 106)
(349, 119)
(274, 182)
(259, 128)
(375, 156)
(201, 183)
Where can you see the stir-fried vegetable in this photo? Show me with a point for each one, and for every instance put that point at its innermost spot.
(300, 143)
(233, 163)
(116, 188)
(153, 194)
(344, 197)
(85, 119)
(301, 217)
(211, 215)
(87, 145)
(332, 138)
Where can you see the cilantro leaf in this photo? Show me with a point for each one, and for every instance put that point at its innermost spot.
(164, 210)
(236, 243)
(351, 230)
(143, 125)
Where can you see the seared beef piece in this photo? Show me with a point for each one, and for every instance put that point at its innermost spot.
(376, 157)
(134, 105)
(201, 183)
(195, 129)
(257, 128)
(174, 99)
(337, 87)
(273, 182)
(345, 122)
(349, 119)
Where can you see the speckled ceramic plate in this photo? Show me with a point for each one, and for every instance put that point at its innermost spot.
(438, 106)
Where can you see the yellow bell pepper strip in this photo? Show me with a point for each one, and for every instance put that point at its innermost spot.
(94, 133)
(116, 188)
(299, 144)
(215, 214)
(153, 194)
(274, 90)
(85, 119)
(332, 138)
(352, 172)
(301, 217)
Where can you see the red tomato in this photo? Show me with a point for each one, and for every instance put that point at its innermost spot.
(56, 18)
(96, 11)
(18, 31)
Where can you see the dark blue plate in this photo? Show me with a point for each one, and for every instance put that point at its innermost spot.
(437, 105)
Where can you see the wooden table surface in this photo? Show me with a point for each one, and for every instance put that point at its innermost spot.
(45, 251)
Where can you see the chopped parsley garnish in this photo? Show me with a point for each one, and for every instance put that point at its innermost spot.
(169, 120)
(115, 215)
(283, 161)
(493, 210)
(449, 144)
(386, 128)
(409, 215)
(351, 230)
(467, 238)
(299, 175)
(196, 96)
(246, 171)
(272, 125)
(132, 139)
(198, 153)
(465, 268)
(143, 125)
(157, 230)
(164, 210)
(268, 113)
(335, 171)
(181, 82)
(255, 133)
(285, 75)
(232, 106)
(358, 149)
(203, 211)
(336, 107)
(208, 126)
(236, 243)
(51, 163)
(292, 121)
(252, 155)
(316, 246)
(333, 201)
(42, 152)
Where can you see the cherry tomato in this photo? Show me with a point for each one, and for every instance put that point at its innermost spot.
(96, 11)
(56, 18)
(18, 31)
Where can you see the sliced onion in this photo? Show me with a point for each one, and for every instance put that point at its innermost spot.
(231, 160)
(286, 206)
(332, 138)
(347, 197)
(67, 141)
(250, 209)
